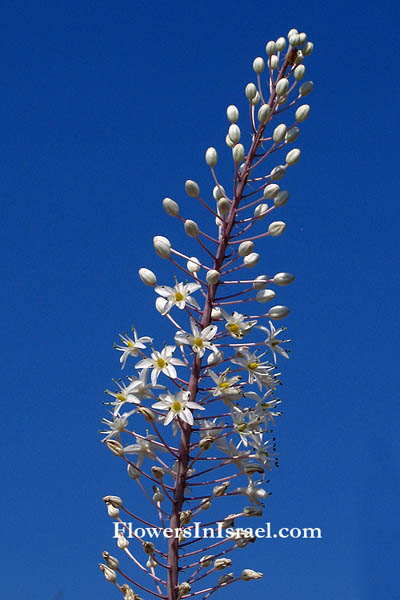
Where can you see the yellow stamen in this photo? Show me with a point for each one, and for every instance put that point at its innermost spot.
(161, 363)
(198, 342)
(121, 397)
(253, 365)
(179, 296)
(130, 344)
(177, 406)
(234, 327)
(224, 385)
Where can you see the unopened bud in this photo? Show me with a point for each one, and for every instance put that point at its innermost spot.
(162, 246)
(158, 496)
(206, 443)
(122, 542)
(151, 563)
(263, 113)
(250, 90)
(108, 573)
(115, 447)
(224, 579)
(218, 192)
(206, 561)
(232, 113)
(191, 228)
(281, 198)
(292, 134)
(276, 228)
(306, 88)
(185, 517)
(216, 313)
(278, 172)
(213, 276)
(248, 574)
(294, 39)
(271, 190)
(283, 278)
(205, 504)
(112, 511)
(308, 48)
(183, 589)
(193, 265)
(293, 156)
(238, 153)
(246, 248)
(258, 65)
(256, 99)
(292, 32)
(211, 157)
(253, 468)
(260, 282)
(279, 133)
(147, 413)
(219, 490)
(192, 189)
(252, 511)
(261, 211)
(148, 547)
(147, 276)
(161, 303)
(222, 563)
(251, 259)
(224, 206)
(302, 113)
(278, 312)
(171, 207)
(229, 142)
(265, 296)
(280, 44)
(229, 521)
(215, 357)
(282, 87)
(303, 37)
(128, 593)
(158, 472)
(234, 133)
(133, 472)
(273, 62)
(113, 500)
(299, 72)
(270, 48)
(112, 562)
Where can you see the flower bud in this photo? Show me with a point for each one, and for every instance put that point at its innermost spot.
(279, 133)
(218, 192)
(161, 303)
(222, 563)
(282, 87)
(308, 48)
(280, 44)
(303, 38)
(246, 248)
(111, 561)
(265, 296)
(229, 521)
(191, 228)
(151, 563)
(283, 278)
(211, 157)
(206, 561)
(234, 133)
(276, 228)
(132, 472)
(147, 413)
(258, 65)
(219, 490)
(292, 134)
(128, 593)
(250, 91)
(224, 579)
(281, 198)
(205, 504)
(248, 574)
(251, 259)
(216, 313)
(206, 443)
(185, 517)
(147, 276)
(122, 542)
(278, 312)
(270, 48)
(213, 276)
(224, 206)
(299, 72)
(278, 172)
(302, 113)
(232, 113)
(108, 573)
(293, 156)
(192, 189)
(271, 190)
(115, 447)
(253, 468)
(112, 511)
(158, 496)
(229, 142)
(299, 57)
(183, 589)
(260, 282)
(162, 246)
(193, 265)
(306, 88)
(292, 32)
(260, 211)
(148, 547)
(256, 99)
(252, 511)
(171, 207)
(238, 153)
(294, 39)
(158, 472)
(264, 113)
(273, 62)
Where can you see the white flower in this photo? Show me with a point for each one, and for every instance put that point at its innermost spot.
(199, 340)
(131, 346)
(252, 364)
(265, 451)
(253, 492)
(178, 407)
(225, 387)
(236, 324)
(116, 426)
(272, 342)
(241, 427)
(144, 448)
(122, 396)
(239, 457)
(177, 296)
(263, 409)
(161, 362)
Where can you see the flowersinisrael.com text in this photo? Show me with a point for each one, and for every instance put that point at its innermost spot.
(218, 532)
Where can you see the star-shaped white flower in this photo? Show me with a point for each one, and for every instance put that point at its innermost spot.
(264, 409)
(131, 346)
(116, 426)
(225, 386)
(144, 448)
(273, 343)
(252, 364)
(236, 324)
(199, 340)
(122, 396)
(161, 362)
(177, 296)
(178, 406)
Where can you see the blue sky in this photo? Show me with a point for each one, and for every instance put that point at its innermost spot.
(106, 108)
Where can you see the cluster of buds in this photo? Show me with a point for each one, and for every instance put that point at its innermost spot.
(215, 385)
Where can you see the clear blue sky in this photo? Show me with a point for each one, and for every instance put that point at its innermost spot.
(107, 107)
